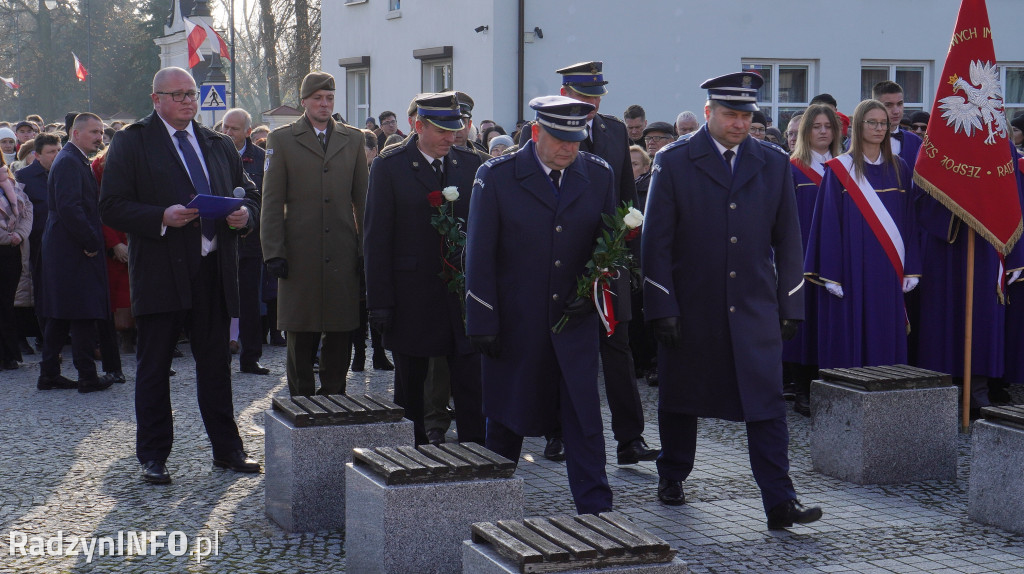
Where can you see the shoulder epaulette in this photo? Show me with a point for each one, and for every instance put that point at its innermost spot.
(679, 143)
(390, 150)
(596, 159)
(498, 160)
(773, 146)
(611, 118)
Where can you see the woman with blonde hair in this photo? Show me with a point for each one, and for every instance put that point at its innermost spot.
(819, 139)
(863, 248)
(15, 225)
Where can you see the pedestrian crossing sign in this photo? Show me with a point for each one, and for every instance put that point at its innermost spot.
(213, 97)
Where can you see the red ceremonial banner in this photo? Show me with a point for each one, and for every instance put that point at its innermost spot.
(966, 162)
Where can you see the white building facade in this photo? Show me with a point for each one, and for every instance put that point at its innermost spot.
(656, 53)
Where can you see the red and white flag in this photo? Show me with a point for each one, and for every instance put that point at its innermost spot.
(10, 83)
(222, 45)
(965, 161)
(80, 72)
(196, 36)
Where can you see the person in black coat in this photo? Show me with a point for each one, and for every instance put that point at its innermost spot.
(722, 259)
(33, 178)
(75, 291)
(237, 125)
(608, 139)
(183, 271)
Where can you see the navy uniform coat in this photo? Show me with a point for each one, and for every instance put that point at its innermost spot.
(724, 255)
(75, 285)
(402, 250)
(253, 157)
(144, 176)
(526, 248)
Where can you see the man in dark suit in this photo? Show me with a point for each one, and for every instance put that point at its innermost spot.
(607, 138)
(34, 178)
(183, 269)
(723, 283)
(76, 293)
(237, 125)
(416, 311)
(534, 218)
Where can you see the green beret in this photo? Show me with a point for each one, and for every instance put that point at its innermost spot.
(316, 81)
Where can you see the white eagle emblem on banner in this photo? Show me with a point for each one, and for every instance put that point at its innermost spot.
(983, 105)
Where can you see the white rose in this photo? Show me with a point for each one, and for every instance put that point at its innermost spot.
(633, 218)
(450, 193)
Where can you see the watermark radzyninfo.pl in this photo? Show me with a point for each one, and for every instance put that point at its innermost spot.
(121, 543)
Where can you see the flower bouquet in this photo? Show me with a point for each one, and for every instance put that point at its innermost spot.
(610, 254)
(453, 238)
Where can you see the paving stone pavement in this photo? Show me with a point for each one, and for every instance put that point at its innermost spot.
(67, 465)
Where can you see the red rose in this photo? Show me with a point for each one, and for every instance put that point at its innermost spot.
(633, 234)
(435, 199)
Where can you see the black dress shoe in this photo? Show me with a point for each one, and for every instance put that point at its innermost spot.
(254, 368)
(554, 450)
(670, 492)
(171, 372)
(435, 436)
(55, 382)
(381, 362)
(802, 404)
(789, 391)
(117, 377)
(237, 461)
(636, 450)
(277, 339)
(359, 363)
(652, 378)
(791, 512)
(89, 386)
(26, 349)
(155, 472)
(999, 395)
(11, 365)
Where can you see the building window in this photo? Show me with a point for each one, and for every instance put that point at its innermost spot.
(394, 5)
(357, 89)
(358, 96)
(786, 89)
(436, 68)
(1012, 80)
(913, 77)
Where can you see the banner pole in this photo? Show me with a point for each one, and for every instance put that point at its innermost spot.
(968, 332)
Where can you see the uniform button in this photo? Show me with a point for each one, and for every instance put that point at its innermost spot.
(558, 263)
(554, 297)
(558, 228)
(732, 240)
(732, 274)
(732, 309)
(732, 206)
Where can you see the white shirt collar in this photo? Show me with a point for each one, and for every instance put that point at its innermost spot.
(171, 129)
(722, 148)
(878, 161)
(820, 158)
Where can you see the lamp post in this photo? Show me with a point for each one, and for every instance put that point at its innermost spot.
(46, 61)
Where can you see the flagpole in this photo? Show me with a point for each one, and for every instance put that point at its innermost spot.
(965, 421)
(88, 35)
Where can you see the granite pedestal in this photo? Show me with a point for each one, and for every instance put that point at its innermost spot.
(419, 527)
(482, 559)
(884, 436)
(996, 494)
(305, 468)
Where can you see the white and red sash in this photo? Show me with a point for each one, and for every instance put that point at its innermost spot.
(874, 212)
(812, 172)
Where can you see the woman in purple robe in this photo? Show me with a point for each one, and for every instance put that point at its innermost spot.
(863, 248)
(819, 139)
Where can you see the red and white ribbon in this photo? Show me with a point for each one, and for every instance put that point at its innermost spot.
(602, 295)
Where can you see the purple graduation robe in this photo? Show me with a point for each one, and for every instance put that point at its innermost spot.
(803, 348)
(868, 326)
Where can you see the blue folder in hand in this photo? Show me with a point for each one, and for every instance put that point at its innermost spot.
(215, 206)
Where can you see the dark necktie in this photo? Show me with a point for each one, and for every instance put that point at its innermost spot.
(555, 177)
(436, 164)
(898, 135)
(728, 155)
(199, 181)
(322, 136)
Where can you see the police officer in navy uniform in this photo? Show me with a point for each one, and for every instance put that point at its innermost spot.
(534, 218)
(607, 138)
(723, 287)
(408, 301)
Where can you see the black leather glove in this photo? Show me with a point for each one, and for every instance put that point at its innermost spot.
(488, 345)
(666, 331)
(278, 267)
(789, 328)
(579, 307)
(382, 320)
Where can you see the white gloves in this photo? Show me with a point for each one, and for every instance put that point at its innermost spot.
(909, 283)
(1014, 276)
(121, 253)
(835, 289)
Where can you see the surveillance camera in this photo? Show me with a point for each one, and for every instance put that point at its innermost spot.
(479, 29)
(539, 32)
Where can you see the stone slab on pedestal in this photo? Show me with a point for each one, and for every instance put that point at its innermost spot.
(305, 468)
(403, 528)
(482, 559)
(996, 493)
(884, 437)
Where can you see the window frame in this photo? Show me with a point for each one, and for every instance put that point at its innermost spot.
(359, 65)
(775, 106)
(431, 59)
(927, 81)
(1009, 109)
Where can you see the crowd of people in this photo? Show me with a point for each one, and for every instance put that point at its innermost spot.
(459, 246)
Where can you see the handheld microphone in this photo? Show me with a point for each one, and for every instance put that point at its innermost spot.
(239, 193)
